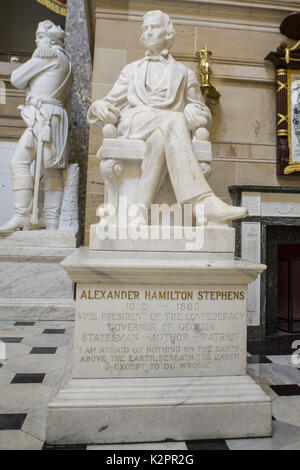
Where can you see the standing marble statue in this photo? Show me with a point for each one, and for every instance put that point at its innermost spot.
(158, 100)
(47, 78)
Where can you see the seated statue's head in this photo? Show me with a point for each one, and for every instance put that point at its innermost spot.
(158, 32)
(48, 35)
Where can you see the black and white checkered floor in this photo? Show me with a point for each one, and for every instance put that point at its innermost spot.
(38, 364)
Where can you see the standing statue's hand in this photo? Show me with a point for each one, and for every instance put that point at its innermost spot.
(195, 117)
(106, 112)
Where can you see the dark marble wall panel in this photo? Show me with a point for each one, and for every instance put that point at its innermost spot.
(78, 47)
(274, 230)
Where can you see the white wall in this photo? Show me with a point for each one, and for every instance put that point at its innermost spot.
(6, 195)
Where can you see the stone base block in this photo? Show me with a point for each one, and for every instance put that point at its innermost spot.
(37, 309)
(39, 238)
(177, 239)
(33, 286)
(157, 409)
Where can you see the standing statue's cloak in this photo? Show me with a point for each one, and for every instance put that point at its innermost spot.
(47, 79)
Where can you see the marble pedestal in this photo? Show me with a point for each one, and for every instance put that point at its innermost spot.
(209, 241)
(159, 350)
(33, 286)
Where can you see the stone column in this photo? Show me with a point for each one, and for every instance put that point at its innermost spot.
(78, 47)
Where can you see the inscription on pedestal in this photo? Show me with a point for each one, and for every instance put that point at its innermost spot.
(159, 331)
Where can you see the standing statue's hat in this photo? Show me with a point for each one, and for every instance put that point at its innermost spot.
(49, 28)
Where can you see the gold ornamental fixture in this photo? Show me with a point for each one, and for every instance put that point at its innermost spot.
(210, 94)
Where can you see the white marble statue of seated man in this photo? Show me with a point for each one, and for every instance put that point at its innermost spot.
(158, 100)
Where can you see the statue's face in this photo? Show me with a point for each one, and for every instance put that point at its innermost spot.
(43, 40)
(154, 32)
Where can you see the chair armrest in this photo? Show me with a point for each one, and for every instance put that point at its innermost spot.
(109, 131)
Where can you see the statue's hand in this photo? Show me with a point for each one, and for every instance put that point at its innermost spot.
(105, 112)
(195, 116)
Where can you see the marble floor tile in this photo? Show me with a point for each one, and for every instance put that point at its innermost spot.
(285, 437)
(11, 421)
(36, 363)
(209, 444)
(14, 440)
(287, 409)
(28, 379)
(23, 397)
(11, 327)
(43, 350)
(274, 374)
(65, 351)
(56, 379)
(46, 340)
(77, 447)
(268, 390)
(282, 360)
(54, 331)
(69, 332)
(141, 446)
(30, 400)
(14, 350)
(35, 423)
(21, 331)
(286, 390)
(6, 324)
(11, 339)
(6, 376)
(66, 325)
(258, 359)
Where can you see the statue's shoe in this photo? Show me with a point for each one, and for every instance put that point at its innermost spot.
(51, 225)
(213, 211)
(39, 226)
(15, 223)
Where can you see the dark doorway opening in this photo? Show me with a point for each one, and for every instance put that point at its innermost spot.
(288, 296)
(283, 280)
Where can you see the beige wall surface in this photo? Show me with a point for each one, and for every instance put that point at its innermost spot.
(240, 34)
(11, 124)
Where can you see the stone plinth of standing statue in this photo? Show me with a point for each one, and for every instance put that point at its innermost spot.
(161, 307)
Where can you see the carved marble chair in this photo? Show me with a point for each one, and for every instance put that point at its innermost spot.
(120, 166)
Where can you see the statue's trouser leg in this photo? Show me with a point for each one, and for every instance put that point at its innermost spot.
(154, 170)
(22, 186)
(169, 147)
(53, 188)
(185, 172)
(188, 181)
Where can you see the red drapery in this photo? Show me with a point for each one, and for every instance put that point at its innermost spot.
(59, 6)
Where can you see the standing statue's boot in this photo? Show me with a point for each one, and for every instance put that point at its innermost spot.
(23, 190)
(53, 187)
(211, 210)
